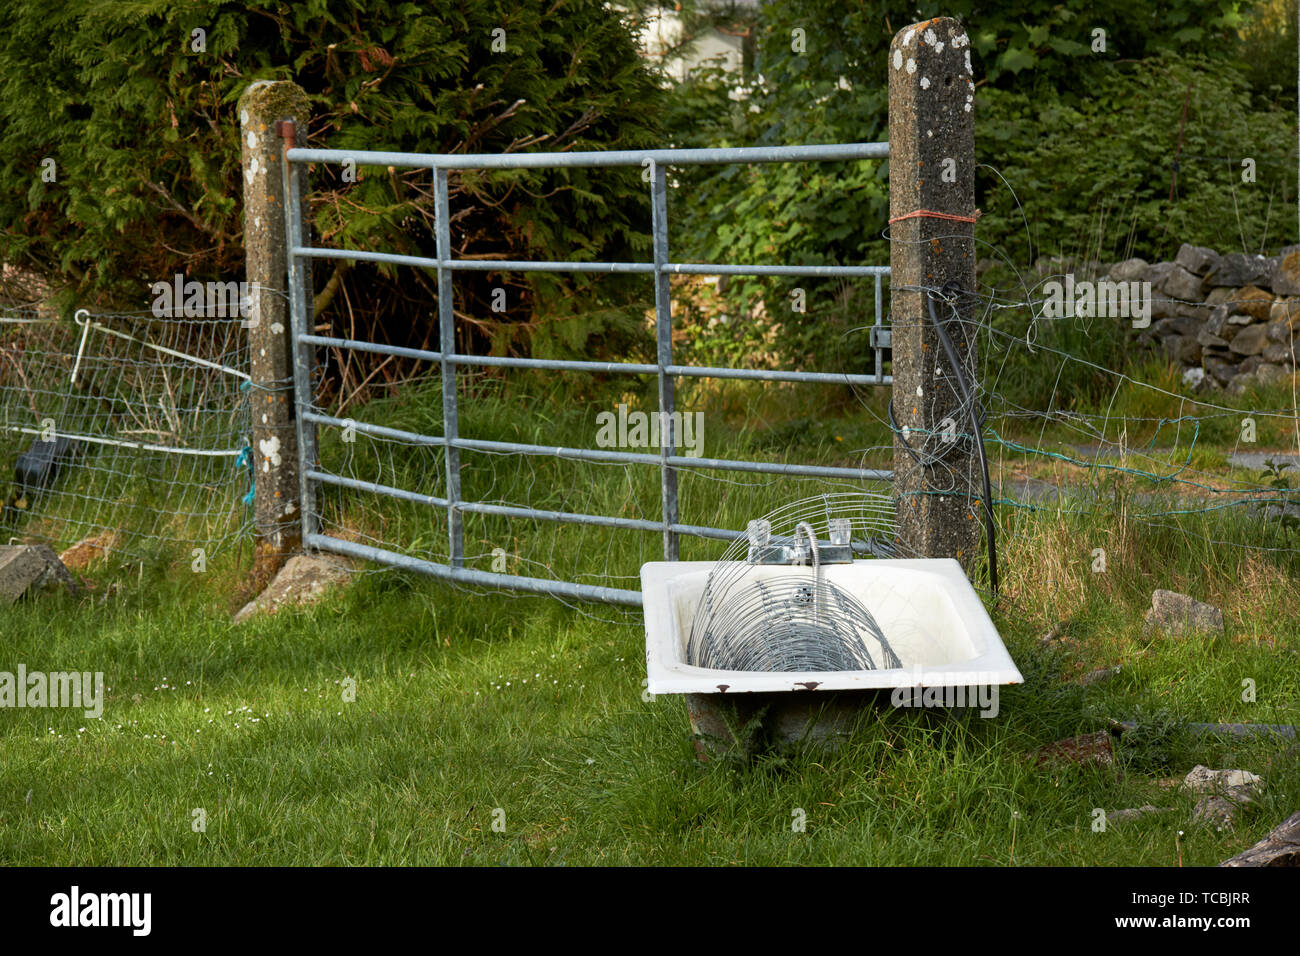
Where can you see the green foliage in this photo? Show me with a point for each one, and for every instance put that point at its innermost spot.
(1272, 475)
(1094, 177)
(142, 128)
(1081, 134)
(1159, 741)
(1269, 51)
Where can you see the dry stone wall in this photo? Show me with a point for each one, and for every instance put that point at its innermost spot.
(1229, 320)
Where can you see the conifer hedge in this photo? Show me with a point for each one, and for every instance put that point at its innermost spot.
(134, 103)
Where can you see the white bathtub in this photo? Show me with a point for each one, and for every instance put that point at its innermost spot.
(926, 608)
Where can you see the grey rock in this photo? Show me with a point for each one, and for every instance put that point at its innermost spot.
(1194, 378)
(1156, 272)
(1183, 349)
(1238, 785)
(1270, 373)
(1130, 270)
(1162, 305)
(1197, 312)
(1181, 284)
(1279, 332)
(1281, 847)
(1285, 277)
(1279, 353)
(1248, 366)
(1217, 323)
(1251, 340)
(1207, 338)
(1217, 812)
(1125, 816)
(27, 568)
(304, 579)
(1240, 269)
(1222, 371)
(1174, 325)
(1196, 259)
(1179, 614)
(1099, 675)
(1221, 295)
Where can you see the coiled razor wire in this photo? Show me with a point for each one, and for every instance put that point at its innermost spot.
(789, 623)
(796, 621)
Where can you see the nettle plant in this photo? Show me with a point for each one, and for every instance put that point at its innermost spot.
(1273, 476)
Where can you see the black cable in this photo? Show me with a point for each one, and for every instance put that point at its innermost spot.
(963, 388)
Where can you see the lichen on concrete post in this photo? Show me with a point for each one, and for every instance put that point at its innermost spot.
(276, 506)
(932, 244)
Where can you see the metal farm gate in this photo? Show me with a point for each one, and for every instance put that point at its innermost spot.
(453, 442)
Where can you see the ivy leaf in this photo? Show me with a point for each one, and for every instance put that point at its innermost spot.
(1068, 47)
(1038, 35)
(985, 41)
(1014, 59)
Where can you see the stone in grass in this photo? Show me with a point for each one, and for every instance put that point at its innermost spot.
(303, 580)
(1217, 812)
(27, 568)
(1059, 632)
(1221, 370)
(1179, 614)
(1124, 816)
(1086, 748)
(1223, 793)
(1099, 675)
(1235, 784)
(1270, 373)
(1280, 848)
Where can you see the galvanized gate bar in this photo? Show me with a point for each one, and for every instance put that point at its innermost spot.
(667, 459)
(601, 455)
(611, 367)
(511, 511)
(577, 365)
(447, 345)
(300, 293)
(540, 265)
(664, 352)
(879, 317)
(586, 592)
(617, 157)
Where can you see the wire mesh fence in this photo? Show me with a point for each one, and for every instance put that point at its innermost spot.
(125, 432)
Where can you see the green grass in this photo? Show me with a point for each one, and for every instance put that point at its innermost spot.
(469, 704)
